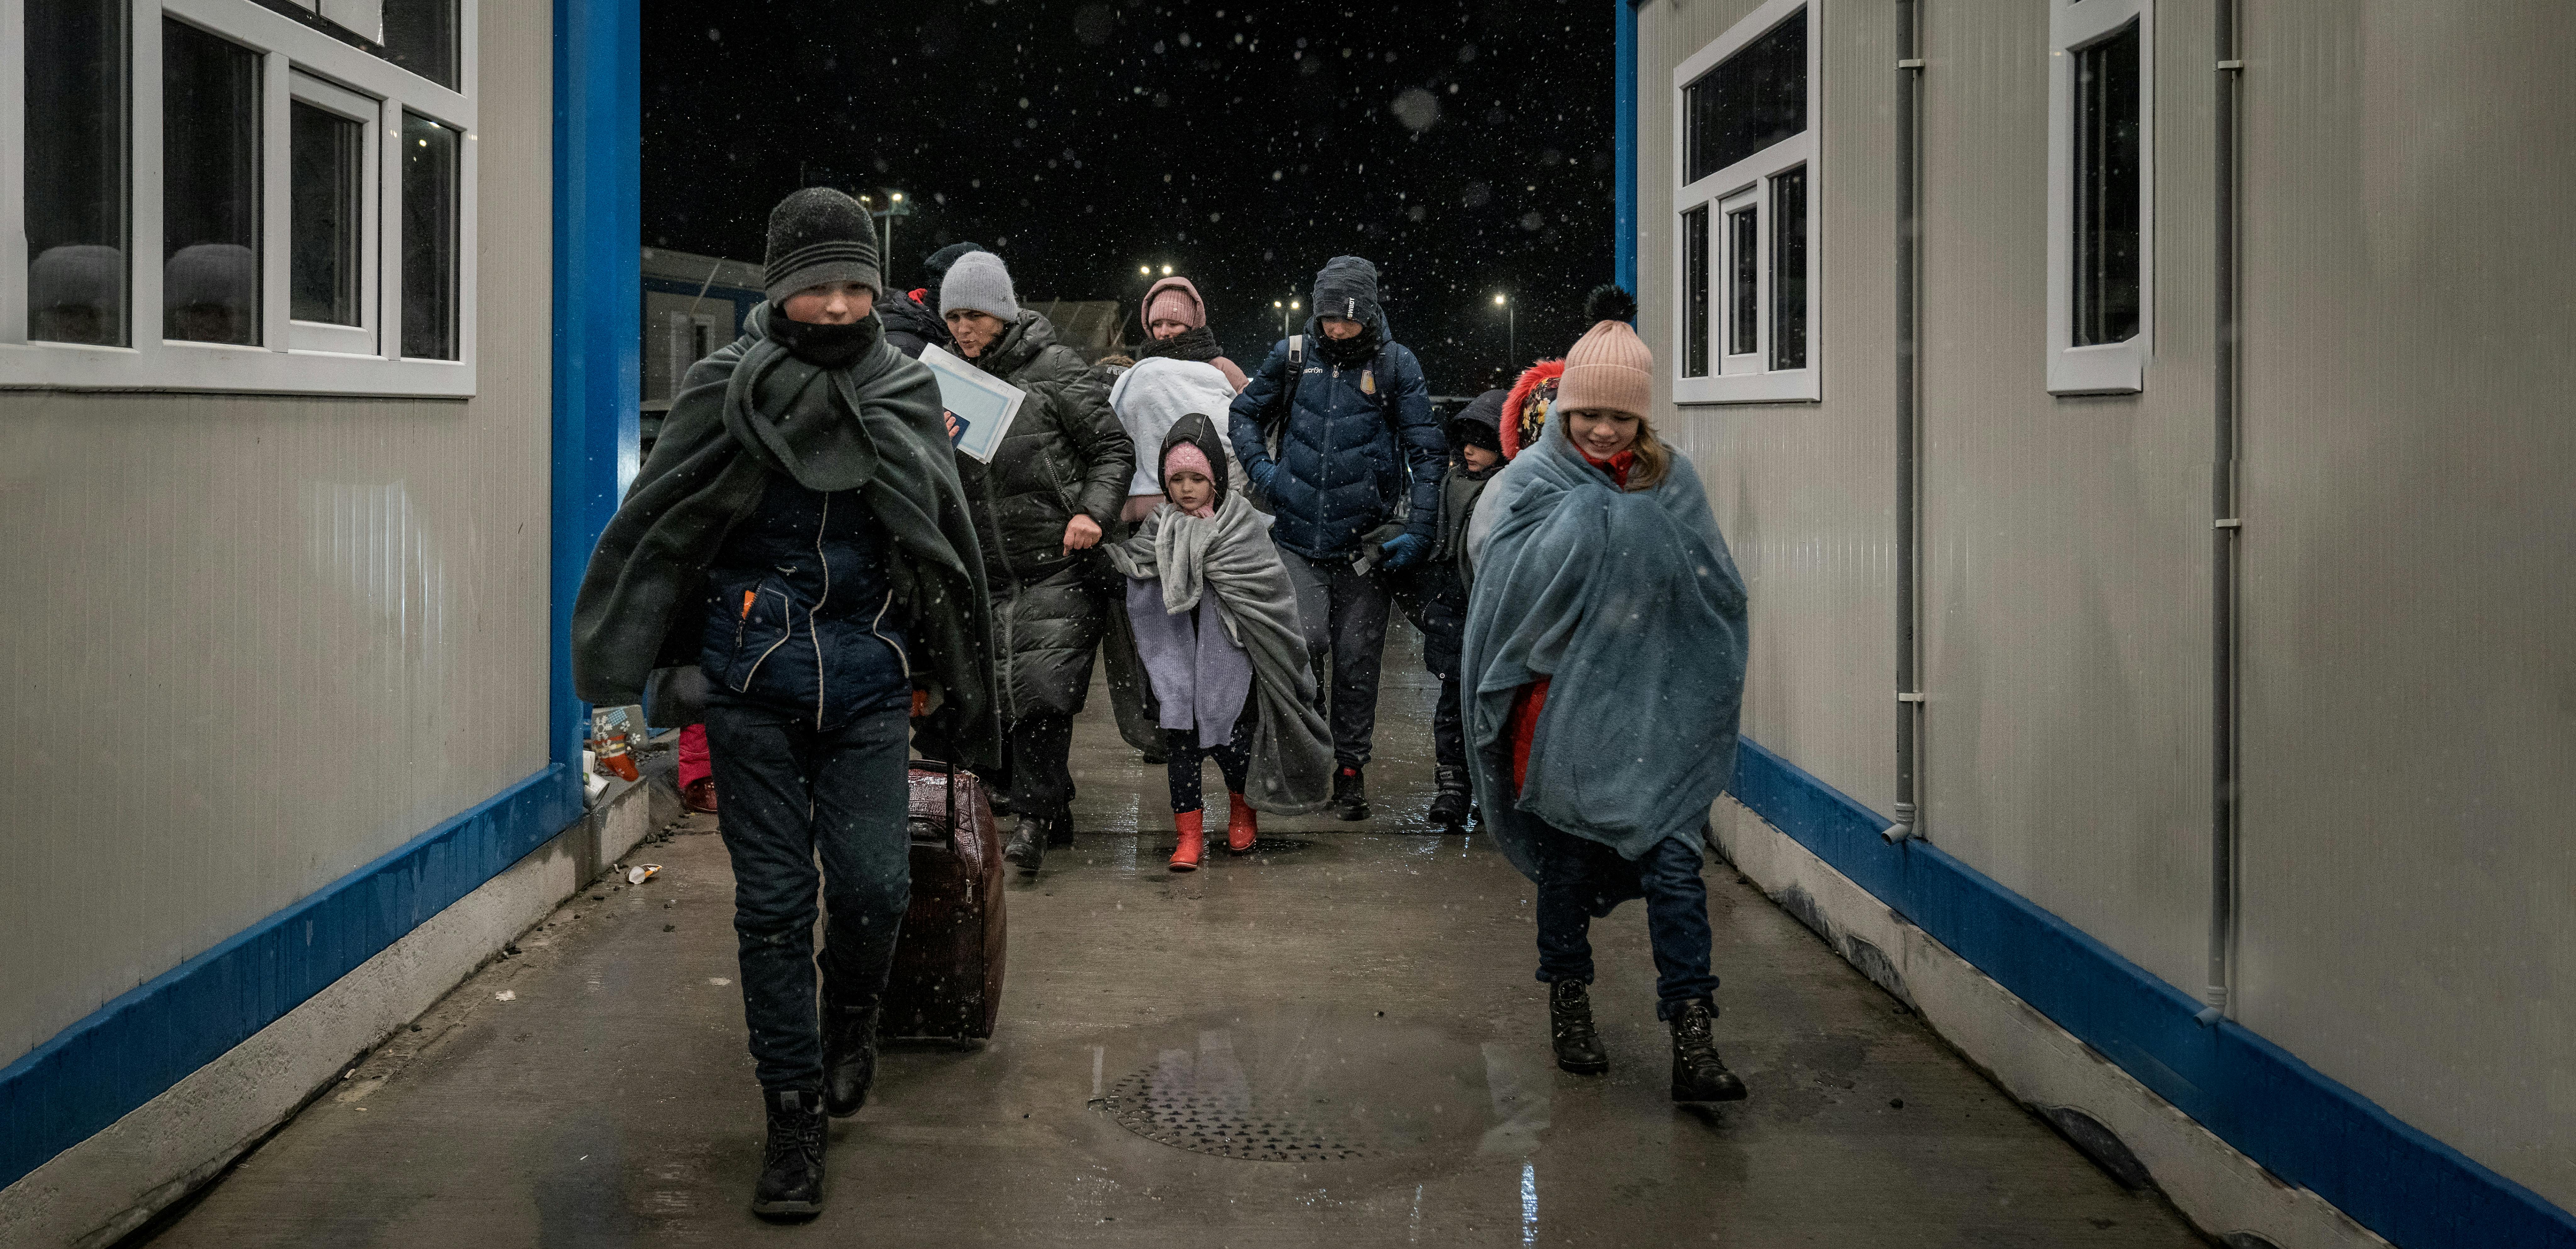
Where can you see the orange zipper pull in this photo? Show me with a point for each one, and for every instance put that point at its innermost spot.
(748, 597)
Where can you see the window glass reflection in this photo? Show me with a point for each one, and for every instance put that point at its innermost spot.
(76, 171)
(210, 277)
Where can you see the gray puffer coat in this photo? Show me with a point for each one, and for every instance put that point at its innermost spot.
(1066, 455)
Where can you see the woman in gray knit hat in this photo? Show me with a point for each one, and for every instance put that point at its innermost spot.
(1054, 486)
(797, 556)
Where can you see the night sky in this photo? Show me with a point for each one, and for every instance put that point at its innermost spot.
(1462, 145)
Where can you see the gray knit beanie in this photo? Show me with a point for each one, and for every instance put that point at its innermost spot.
(819, 235)
(980, 283)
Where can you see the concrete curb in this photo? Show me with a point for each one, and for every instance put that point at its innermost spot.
(102, 1189)
(2131, 1132)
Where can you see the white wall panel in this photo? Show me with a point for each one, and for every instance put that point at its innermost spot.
(2409, 901)
(2066, 561)
(256, 642)
(1805, 492)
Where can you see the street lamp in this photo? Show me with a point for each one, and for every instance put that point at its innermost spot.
(1511, 332)
(895, 207)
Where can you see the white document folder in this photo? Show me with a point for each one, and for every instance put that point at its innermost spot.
(982, 405)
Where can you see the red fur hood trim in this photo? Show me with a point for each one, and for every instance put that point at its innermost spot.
(1516, 404)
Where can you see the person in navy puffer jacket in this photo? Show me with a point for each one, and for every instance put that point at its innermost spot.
(1357, 443)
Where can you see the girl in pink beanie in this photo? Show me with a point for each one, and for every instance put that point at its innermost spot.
(1605, 641)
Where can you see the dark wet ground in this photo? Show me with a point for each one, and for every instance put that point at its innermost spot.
(1357, 1003)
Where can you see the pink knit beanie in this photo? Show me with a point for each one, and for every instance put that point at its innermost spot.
(1187, 456)
(1609, 369)
(1179, 299)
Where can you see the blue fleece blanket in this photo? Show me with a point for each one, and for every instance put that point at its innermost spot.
(1631, 604)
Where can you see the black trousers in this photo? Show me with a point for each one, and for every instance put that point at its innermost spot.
(1041, 753)
(1182, 753)
(793, 795)
(1343, 614)
(1443, 621)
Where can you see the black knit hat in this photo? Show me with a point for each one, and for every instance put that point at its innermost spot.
(819, 235)
(935, 269)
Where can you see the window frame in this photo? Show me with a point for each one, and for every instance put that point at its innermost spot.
(2104, 368)
(296, 357)
(1752, 177)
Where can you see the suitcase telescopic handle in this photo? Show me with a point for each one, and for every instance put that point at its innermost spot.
(952, 791)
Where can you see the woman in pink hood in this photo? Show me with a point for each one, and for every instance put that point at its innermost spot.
(1176, 326)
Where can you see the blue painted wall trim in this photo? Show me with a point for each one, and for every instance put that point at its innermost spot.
(132, 1049)
(599, 305)
(127, 1052)
(1623, 80)
(2306, 1128)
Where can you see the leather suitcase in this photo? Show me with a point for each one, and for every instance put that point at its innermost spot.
(947, 976)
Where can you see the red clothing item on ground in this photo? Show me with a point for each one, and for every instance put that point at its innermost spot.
(694, 764)
(1521, 726)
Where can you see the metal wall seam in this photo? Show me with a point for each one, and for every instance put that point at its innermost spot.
(2223, 533)
(1909, 700)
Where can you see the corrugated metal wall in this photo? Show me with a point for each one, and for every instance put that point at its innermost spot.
(2065, 540)
(2410, 543)
(1803, 491)
(2409, 740)
(254, 643)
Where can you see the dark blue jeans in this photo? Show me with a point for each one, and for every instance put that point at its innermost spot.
(791, 794)
(1570, 869)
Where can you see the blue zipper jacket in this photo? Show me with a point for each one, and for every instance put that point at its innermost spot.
(799, 609)
(1361, 439)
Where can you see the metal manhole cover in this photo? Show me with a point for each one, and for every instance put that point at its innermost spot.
(1171, 1108)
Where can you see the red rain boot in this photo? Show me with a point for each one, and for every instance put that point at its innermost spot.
(1192, 826)
(1242, 824)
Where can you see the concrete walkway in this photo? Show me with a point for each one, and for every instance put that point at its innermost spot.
(1363, 994)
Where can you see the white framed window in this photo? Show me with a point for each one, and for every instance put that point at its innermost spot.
(213, 195)
(2101, 195)
(1745, 263)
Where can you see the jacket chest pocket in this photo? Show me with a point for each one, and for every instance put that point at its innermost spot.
(763, 620)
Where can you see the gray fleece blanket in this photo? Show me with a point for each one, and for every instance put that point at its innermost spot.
(1629, 602)
(1229, 555)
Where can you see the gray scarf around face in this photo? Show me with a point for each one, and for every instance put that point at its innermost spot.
(1229, 555)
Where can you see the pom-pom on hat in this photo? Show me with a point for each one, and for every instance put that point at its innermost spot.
(819, 235)
(1610, 368)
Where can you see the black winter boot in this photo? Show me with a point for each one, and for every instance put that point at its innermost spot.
(1569, 1028)
(791, 1162)
(1449, 810)
(849, 1057)
(1699, 1075)
(1060, 829)
(1350, 794)
(1027, 846)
